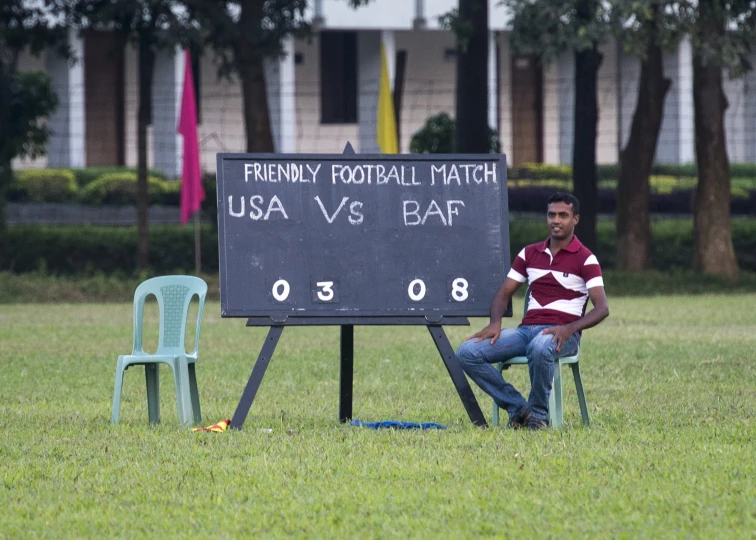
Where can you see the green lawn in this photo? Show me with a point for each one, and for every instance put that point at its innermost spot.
(671, 451)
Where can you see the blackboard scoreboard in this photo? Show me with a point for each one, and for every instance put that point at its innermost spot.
(335, 235)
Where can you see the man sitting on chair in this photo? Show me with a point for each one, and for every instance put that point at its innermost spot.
(562, 275)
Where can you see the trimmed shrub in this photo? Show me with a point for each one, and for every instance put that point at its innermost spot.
(542, 171)
(121, 188)
(210, 203)
(437, 137)
(87, 175)
(171, 194)
(43, 186)
(89, 250)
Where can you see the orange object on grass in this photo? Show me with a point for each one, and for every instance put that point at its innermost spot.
(215, 428)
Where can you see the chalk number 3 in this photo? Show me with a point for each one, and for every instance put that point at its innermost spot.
(326, 292)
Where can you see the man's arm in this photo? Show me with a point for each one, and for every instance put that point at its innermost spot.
(498, 306)
(599, 312)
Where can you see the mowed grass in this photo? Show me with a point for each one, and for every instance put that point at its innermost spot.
(670, 451)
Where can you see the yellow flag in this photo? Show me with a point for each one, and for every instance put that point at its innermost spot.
(386, 122)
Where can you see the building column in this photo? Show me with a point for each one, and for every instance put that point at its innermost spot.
(280, 85)
(493, 82)
(735, 117)
(627, 81)
(505, 98)
(607, 135)
(749, 116)
(677, 135)
(368, 83)
(66, 147)
(368, 78)
(167, 88)
(566, 106)
(419, 21)
(685, 110)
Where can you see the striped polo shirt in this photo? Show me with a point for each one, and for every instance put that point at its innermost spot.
(558, 284)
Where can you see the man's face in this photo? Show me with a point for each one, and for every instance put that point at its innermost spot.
(561, 220)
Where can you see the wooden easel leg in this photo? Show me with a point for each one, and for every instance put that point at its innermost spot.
(457, 375)
(256, 377)
(346, 373)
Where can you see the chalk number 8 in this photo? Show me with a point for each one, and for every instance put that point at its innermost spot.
(459, 289)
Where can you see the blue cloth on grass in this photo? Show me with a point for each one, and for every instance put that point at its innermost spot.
(395, 424)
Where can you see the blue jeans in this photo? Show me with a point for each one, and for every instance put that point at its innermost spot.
(477, 359)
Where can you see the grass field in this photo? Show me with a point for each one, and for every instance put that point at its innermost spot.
(671, 451)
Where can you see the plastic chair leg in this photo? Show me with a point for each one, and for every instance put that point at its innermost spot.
(152, 377)
(117, 391)
(580, 393)
(183, 399)
(177, 386)
(194, 393)
(556, 416)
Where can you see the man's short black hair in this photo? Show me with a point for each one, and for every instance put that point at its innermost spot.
(567, 198)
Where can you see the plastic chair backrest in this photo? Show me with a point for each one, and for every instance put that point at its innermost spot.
(174, 294)
(527, 299)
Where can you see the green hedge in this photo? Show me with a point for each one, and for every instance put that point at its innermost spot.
(43, 185)
(120, 188)
(87, 175)
(89, 249)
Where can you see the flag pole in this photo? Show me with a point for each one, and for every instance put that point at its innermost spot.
(197, 251)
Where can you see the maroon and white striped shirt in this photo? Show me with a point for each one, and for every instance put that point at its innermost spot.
(558, 284)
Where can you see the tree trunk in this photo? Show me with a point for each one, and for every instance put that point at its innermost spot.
(256, 114)
(249, 65)
(633, 191)
(471, 122)
(146, 61)
(713, 249)
(584, 173)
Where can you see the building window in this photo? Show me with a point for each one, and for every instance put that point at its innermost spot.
(338, 77)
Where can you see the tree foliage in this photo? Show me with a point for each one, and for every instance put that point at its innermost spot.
(151, 25)
(241, 30)
(26, 99)
(549, 29)
(243, 34)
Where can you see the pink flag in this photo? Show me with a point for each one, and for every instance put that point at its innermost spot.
(192, 193)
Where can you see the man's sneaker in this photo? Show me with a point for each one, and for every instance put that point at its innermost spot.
(537, 423)
(520, 419)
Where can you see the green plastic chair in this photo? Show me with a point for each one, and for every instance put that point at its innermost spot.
(173, 293)
(556, 411)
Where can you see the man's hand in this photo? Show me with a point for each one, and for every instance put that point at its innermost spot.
(491, 331)
(561, 334)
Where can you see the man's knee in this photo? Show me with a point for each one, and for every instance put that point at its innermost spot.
(467, 352)
(542, 348)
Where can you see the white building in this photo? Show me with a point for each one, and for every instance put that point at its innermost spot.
(324, 93)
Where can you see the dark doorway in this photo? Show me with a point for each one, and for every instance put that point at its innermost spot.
(527, 110)
(104, 98)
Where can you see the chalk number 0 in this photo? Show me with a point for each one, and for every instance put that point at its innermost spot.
(281, 290)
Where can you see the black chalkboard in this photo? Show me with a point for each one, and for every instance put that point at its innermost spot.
(335, 235)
